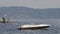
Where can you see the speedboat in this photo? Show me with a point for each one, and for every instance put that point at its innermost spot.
(34, 26)
(3, 21)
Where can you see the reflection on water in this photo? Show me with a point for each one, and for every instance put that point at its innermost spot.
(12, 28)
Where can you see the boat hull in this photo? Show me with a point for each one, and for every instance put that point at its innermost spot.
(33, 28)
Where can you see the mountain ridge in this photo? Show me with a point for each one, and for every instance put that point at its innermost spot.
(50, 13)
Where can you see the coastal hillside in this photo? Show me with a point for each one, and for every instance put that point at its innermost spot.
(24, 12)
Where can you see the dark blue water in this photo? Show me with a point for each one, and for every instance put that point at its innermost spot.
(12, 28)
(23, 15)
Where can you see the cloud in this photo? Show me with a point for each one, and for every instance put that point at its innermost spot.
(32, 3)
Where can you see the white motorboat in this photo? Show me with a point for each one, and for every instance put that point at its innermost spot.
(34, 26)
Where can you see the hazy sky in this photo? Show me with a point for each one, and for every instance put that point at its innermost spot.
(31, 3)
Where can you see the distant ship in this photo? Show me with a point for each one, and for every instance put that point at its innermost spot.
(4, 19)
(34, 26)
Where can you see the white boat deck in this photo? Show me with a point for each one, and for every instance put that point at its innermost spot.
(40, 25)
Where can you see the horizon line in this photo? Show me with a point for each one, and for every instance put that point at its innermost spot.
(29, 7)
